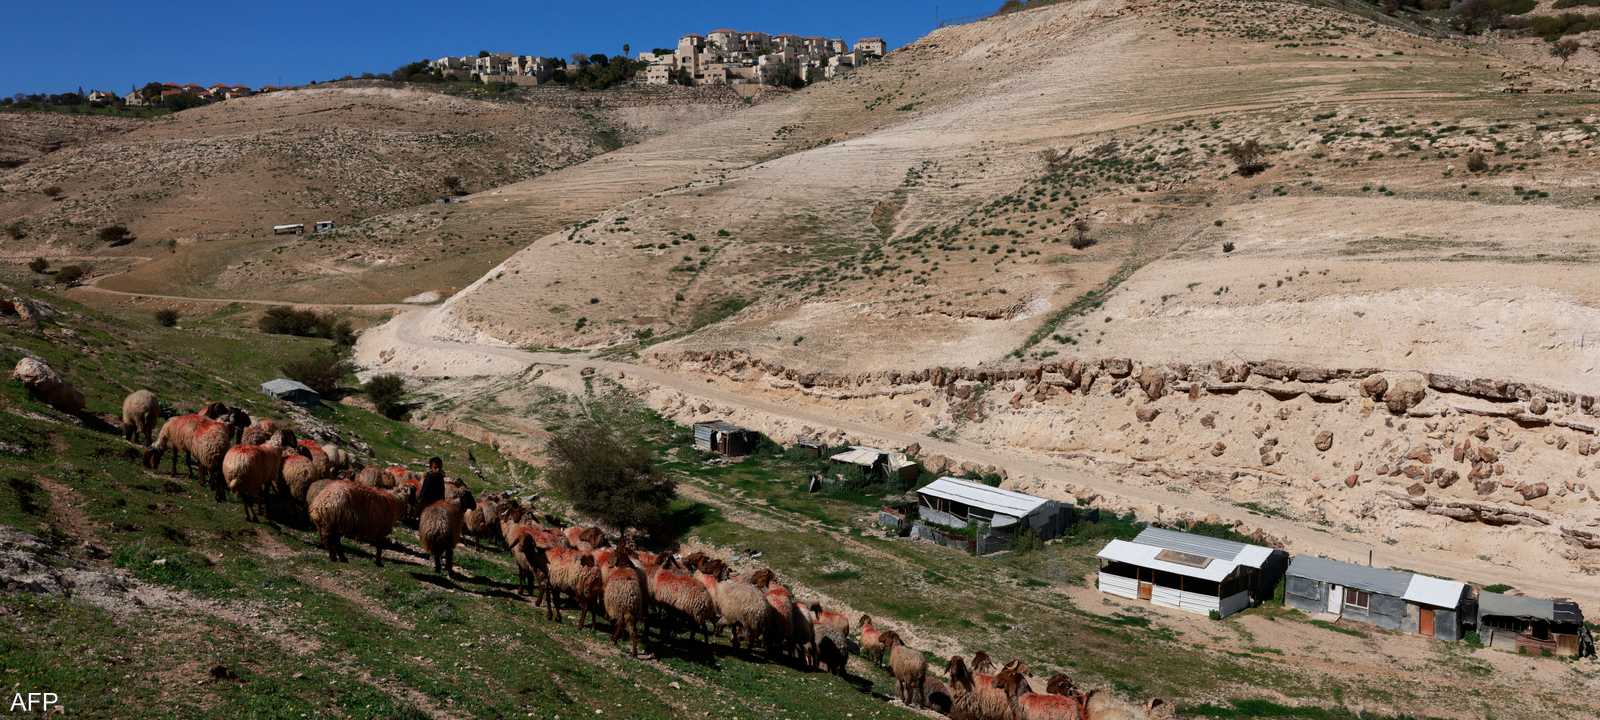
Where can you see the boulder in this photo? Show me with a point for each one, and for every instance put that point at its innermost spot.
(1218, 449)
(1420, 454)
(1153, 382)
(1117, 367)
(1487, 454)
(1538, 405)
(1447, 478)
(1146, 413)
(1404, 393)
(1374, 387)
(1487, 487)
(1353, 480)
(1533, 491)
(43, 383)
(1417, 490)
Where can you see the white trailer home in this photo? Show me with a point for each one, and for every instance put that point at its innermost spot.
(1190, 572)
(292, 229)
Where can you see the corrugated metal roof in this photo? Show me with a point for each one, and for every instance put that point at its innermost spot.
(284, 386)
(1235, 552)
(1360, 577)
(979, 495)
(1145, 556)
(720, 426)
(1492, 603)
(1434, 591)
(864, 456)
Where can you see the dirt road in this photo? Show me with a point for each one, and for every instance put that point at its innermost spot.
(404, 337)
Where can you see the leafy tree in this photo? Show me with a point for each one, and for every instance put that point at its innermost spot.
(70, 274)
(1080, 238)
(388, 393)
(608, 473)
(1249, 157)
(1469, 14)
(39, 265)
(115, 235)
(321, 369)
(1565, 49)
(167, 317)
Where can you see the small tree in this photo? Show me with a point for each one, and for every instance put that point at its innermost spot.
(1249, 157)
(609, 473)
(38, 265)
(1476, 162)
(1472, 13)
(1080, 238)
(321, 369)
(167, 317)
(1565, 49)
(70, 274)
(454, 185)
(53, 191)
(115, 235)
(387, 393)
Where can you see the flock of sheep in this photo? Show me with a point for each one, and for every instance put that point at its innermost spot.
(583, 567)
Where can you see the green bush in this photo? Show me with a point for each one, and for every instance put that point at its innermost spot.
(70, 274)
(39, 265)
(167, 317)
(1473, 639)
(1026, 541)
(321, 369)
(284, 320)
(115, 235)
(388, 393)
(607, 472)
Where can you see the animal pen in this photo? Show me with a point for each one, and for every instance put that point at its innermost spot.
(1190, 572)
(725, 438)
(993, 516)
(1390, 599)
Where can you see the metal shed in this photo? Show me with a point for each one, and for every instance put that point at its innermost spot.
(873, 462)
(995, 514)
(1390, 599)
(1190, 572)
(1533, 625)
(291, 391)
(725, 438)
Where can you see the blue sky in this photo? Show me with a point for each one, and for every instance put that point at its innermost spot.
(60, 45)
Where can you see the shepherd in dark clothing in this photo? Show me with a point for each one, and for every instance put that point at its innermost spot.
(432, 484)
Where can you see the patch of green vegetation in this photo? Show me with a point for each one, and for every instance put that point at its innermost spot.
(1324, 624)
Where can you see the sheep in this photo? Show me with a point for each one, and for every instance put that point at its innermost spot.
(974, 703)
(371, 476)
(1100, 704)
(140, 413)
(590, 592)
(802, 636)
(1060, 701)
(205, 441)
(871, 641)
(585, 538)
(533, 569)
(46, 385)
(319, 459)
(625, 600)
(741, 606)
(298, 474)
(439, 530)
(982, 670)
(565, 568)
(483, 521)
(366, 514)
(909, 667)
(250, 470)
(397, 476)
(683, 596)
(780, 640)
(236, 419)
(338, 457)
(831, 638)
(316, 489)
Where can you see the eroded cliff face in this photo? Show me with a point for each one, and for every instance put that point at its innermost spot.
(1475, 466)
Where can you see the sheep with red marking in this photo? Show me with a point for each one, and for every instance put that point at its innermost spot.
(250, 471)
(346, 509)
(682, 598)
(566, 568)
(319, 459)
(1060, 701)
(174, 436)
(439, 530)
(141, 413)
(298, 474)
(205, 441)
(975, 703)
(872, 641)
(626, 600)
(742, 607)
(831, 638)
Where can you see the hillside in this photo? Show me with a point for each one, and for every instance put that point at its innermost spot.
(889, 260)
(201, 189)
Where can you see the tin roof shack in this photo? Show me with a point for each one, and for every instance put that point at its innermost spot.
(872, 464)
(291, 391)
(1190, 572)
(724, 438)
(1539, 626)
(995, 515)
(1390, 599)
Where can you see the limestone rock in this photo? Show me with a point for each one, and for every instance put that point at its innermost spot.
(1417, 490)
(1487, 487)
(1374, 387)
(1146, 413)
(44, 383)
(1218, 449)
(1353, 480)
(1538, 405)
(1117, 367)
(1153, 382)
(1534, 491)
(1404, 393)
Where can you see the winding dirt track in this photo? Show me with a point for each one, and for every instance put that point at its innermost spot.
(1301, 538)
(93, 286)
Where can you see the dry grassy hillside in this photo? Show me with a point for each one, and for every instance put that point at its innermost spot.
(202, 188)
(28, 136)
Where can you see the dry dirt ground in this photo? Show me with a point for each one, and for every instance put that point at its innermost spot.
(201, 189)
(905, 276)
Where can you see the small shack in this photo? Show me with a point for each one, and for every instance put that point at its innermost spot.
(1190, 572)
(291, 391)
(1537, 626)
(724, 438)
(872, 463)
(1390, 599)
(322, 226)
(995, 515)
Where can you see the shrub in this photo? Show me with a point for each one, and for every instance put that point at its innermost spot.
(388, 393)
(1249, 157)
(285, 320)
(38, 265)
(1080, 237)
(1473, 639)
(115, 235)
(1227, 246)
(70, 274)
(1476, 162)
(1026, 541)
(321, 369)
(1565, 49)
(167, 317)
(52, 191)
(608, 473)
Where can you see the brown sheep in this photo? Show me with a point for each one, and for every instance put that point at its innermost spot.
(439, 530)
(250, 471)
(372, 476)
(831, 638)
(262, 432)
(590, 592)
(533, 569)
(316, 489)
(974, 703)
(871, 641)
(1061, 701)
(909, 667)
(205, 441)
(319, 459)
(566, 565)
(683, 597)
(140, 415)
(298, 474)
(625, 600)
(366, 514)
(174, 436)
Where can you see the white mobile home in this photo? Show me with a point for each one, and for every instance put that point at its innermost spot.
(292, 229)
(1190, 572)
